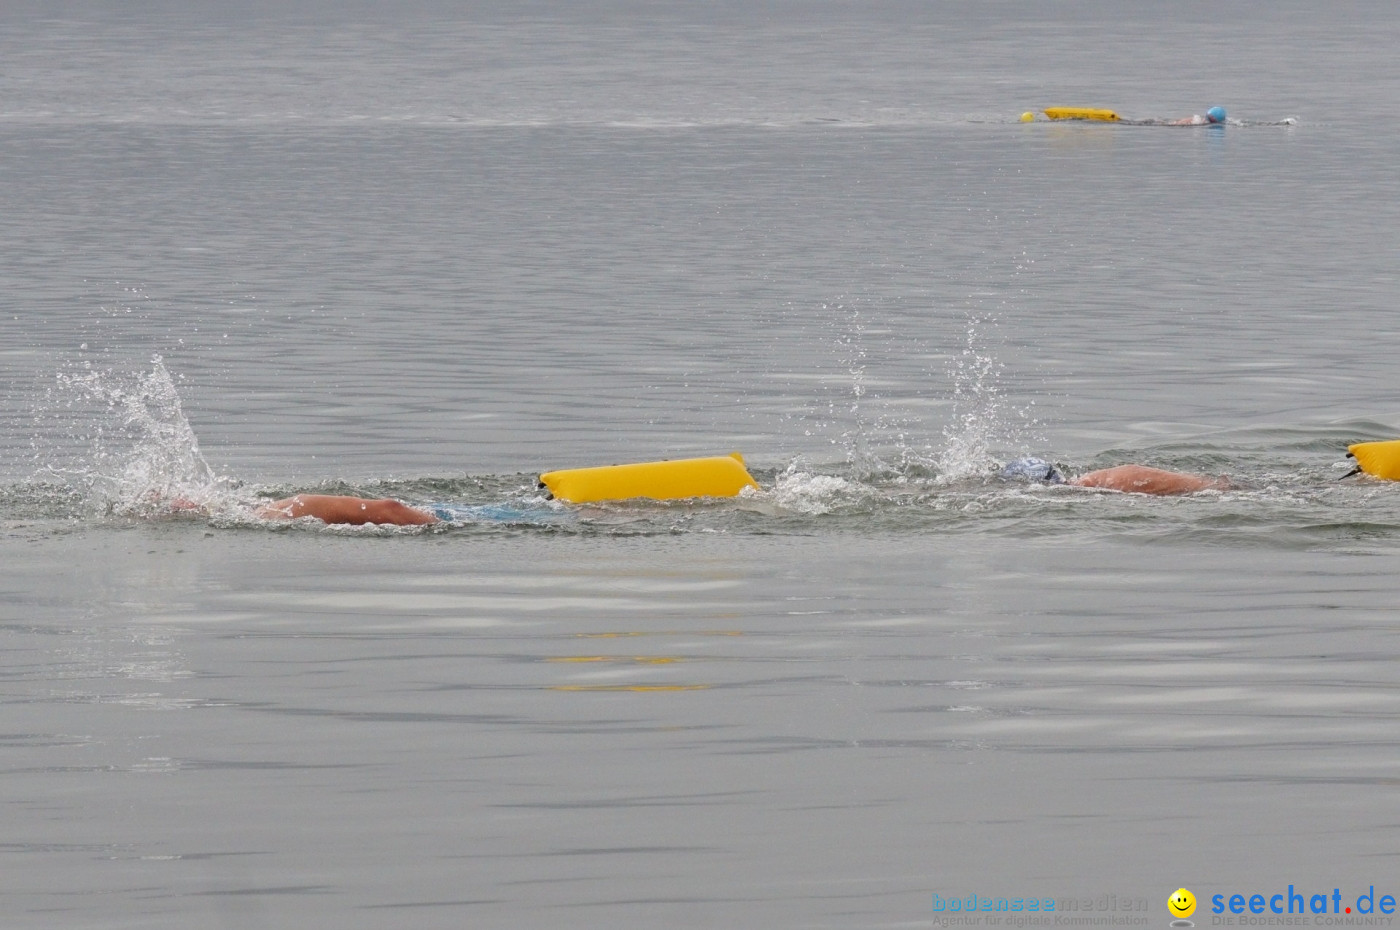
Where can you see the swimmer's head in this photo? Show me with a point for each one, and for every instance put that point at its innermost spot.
(1216, 114)
(1032, 469)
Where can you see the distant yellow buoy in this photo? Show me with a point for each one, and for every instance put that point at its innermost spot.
(1105, 116)
(1028, 117)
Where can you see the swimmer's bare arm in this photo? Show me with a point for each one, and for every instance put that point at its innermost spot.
(1140, 479)
(355, 511)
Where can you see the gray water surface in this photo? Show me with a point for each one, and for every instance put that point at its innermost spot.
(430, 250)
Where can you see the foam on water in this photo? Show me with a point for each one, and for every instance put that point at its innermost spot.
(798, 489)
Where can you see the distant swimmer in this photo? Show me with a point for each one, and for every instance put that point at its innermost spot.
(1215, 116)
(1131, 479)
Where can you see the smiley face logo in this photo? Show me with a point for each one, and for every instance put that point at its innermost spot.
(1182, 903)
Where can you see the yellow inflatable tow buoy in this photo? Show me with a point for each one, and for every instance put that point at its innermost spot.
(1105, 116)
(1378, 459)
(717, 476)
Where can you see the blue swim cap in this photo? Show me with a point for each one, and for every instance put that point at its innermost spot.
(1216, 114)
(1033, 469)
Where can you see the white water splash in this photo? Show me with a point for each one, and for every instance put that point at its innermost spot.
(883, 443)
(982, 419)
(855, 438)
(800, 491)
(878, 436)
(143, 456)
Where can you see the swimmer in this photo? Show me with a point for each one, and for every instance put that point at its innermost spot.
(344, 509)
(1131, 479)
(1215, 116)
(359, 511)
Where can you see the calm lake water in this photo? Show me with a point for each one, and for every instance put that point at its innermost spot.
(431, 250)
